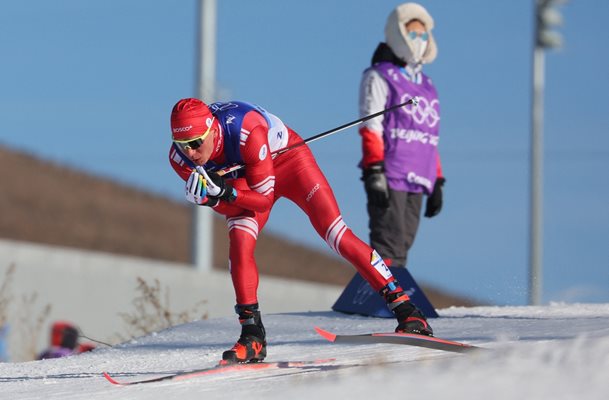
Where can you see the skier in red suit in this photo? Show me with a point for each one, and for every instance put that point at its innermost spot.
(208, 138)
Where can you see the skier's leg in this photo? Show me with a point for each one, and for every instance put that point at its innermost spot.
(302, 181)
(243, 233)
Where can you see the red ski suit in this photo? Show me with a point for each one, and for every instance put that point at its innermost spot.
(294, 175)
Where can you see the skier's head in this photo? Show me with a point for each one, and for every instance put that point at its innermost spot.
(408, 34)
(194, 129)
(64, 334)
(191, 120)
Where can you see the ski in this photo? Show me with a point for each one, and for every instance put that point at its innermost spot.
(223, 368)
(408, 339)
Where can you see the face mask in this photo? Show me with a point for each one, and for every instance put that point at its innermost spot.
(417, 42)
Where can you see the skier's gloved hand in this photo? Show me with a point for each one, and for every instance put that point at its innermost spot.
(196, 188)
(375, 184)
(434, 200)
(217, 187)
(211, 202)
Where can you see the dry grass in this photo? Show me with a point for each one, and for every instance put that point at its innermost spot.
(152, 310)
(22, 316)
(30, 324)
(6, 296)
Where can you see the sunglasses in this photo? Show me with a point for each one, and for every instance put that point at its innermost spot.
(194, 143)
(412, 35)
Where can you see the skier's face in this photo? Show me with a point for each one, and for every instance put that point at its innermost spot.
(202, 153)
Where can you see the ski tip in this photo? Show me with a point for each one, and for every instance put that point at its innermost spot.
(325, 334)
(110, 379)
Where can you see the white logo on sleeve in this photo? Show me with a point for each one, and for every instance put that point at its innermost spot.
(263, 152)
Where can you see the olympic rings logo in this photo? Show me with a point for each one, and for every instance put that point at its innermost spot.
(425, 112)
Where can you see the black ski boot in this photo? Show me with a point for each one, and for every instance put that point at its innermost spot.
(410, 318)
(251, 346)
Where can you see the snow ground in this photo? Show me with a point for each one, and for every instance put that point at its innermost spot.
(560, 351)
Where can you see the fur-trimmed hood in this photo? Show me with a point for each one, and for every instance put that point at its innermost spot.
(395, 30)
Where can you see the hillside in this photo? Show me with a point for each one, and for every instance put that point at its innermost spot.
(62, 206)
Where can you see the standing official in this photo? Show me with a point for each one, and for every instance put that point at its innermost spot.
(400, 161)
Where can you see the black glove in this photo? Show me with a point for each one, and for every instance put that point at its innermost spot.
(375, 184)
(211, 202)
(434, 200)
(217, 187)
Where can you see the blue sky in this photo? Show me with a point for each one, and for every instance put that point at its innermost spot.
(91, 85)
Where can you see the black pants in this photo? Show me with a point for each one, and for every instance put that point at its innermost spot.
(393, 230)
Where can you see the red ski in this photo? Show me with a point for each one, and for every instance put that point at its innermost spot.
(223, 369)
(408, 339)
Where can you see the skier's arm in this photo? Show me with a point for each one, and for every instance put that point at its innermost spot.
(259, 172)
(179, 163)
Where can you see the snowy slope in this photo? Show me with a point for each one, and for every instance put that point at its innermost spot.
(553, 352)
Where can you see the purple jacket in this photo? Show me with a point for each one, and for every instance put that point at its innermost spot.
(56, 352)
(411, 133)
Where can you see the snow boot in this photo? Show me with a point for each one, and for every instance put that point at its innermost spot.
(410, 318)
(251, 346)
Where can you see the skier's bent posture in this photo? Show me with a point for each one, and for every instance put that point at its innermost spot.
(207, 138)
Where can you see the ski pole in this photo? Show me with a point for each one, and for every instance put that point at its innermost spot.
(412, 100)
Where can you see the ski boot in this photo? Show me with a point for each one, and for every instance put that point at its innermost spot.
(251, 346)
(410, 318)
